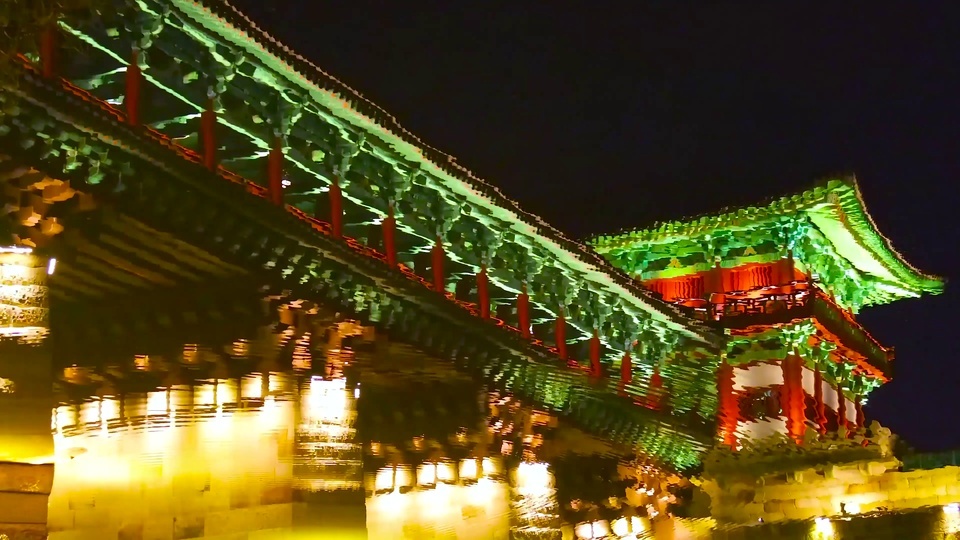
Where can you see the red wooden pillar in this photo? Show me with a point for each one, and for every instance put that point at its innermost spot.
(483, 294)
(49, 38)
(861, 419)
(560, 334)
(821, 418)
(438, 281)
(595, 368)
(389, 226)
(792, 397)
(841, 407)
(208, 135)
(336, 207)
(729, 413)
(131, 99)
(523, 311)
(275, 172)
(654, 394)
(788, 267)
(626, 368)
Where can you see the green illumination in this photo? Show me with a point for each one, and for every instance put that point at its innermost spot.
(828, 229)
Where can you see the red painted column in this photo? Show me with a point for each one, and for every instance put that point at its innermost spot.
(788, 267)
(208, 136)
(560, 334)
(275, 172)
(48, 51)
(523, 311)
(389, 226)
(626, 369)
(656, 388)
(483, 294)
(818, 400)
(336, 207)
(729, 408)
(793, 401)
(595, 368)
(438, 282)
(131, 99)
(861, 419)
(841, 407)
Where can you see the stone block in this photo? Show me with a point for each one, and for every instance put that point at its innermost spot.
(859, 489)
(26, 478)
(20, 531)
(924, 481)
(25, 508)
(158, 529)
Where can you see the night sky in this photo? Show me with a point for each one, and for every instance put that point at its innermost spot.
(599, 119)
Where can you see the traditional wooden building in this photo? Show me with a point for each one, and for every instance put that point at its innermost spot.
(784, 282)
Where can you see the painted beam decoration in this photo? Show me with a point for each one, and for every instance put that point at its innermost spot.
(826, 229)
(334, 155)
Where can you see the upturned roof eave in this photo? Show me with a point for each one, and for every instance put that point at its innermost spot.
(843, 192)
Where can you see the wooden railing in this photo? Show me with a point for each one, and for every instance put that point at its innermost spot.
(776, 305)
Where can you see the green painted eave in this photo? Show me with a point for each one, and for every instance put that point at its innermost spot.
(347, 107)
(835, 208)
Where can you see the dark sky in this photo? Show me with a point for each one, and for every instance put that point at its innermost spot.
(599, 118)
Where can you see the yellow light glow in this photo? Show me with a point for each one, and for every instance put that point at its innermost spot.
(251, 387)
(157, 402)
(427, 474)
(89, 412)
(596, 529)
(823, 529)
(23, 295)
(383, 480)
(445, 472)
(468, 469)
(491, 467)
(951, 518)
(628, 526)
(533, 478)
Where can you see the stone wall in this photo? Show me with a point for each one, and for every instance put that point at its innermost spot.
(926, 524)
(851, 488)
(225, 476)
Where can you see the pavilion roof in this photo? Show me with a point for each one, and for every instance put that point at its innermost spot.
(835, 208)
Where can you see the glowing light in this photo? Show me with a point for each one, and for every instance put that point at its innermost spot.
(951, 518)
(51, 266)
(628, 526)
(533, 478)
(157, 402)
(446, 472)
(468, 469)
(596, 529)
(252, 387)
(490, 467)
(850, 507)
(823, 529)
(23, 295)
(427, 474)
